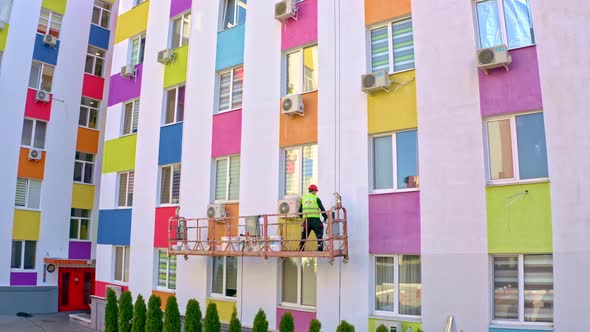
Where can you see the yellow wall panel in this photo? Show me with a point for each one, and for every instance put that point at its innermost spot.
(175, 72)
(133, 22)
(3, 36)
(26, 225)
(396, 109)
(83, 196)
(224, 308)
(58, 6)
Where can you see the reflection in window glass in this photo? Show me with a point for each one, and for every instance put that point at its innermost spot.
(532, 148)
(538, 288)
(289, 280)
(407, 159)
(506, 288)
(410, 285)
(294, 73)
(500, 150)
(384, 284)
(292, 170)
(310, 68)
(488, 22)
(519, 24)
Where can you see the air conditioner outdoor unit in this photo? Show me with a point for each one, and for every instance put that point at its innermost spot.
(374, 81)
(35, 154)
(166, 56)
(49, 40)
(128, 71)
(289, 206)
(391, 326)
(116, 289)
(292, 104)
(493, 57)
(285, 9)
(42, 96)
(216, 211)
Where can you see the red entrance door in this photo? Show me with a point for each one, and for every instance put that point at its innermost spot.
(75, 287)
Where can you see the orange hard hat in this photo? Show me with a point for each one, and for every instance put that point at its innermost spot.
(313, 187)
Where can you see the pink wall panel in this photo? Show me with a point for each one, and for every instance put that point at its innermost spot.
(163, 214)
(100, 288)
(93, 87)
(517, 90)
(394, 223)
(301, 318)
(304, 30)
(227, 133)
(35, 109)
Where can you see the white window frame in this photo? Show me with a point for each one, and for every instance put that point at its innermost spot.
(89, 110)
(224, 13)
(284, 150)
(228, 179)
(84, 163)
(127, 183)
(299, 286)
(33, 132)
(134, 110)
(389, 25)
(520, 321)
(160, 184)
(28, 194)
(50, 19)
(302, 73)
(102, 12)
(124, 264)
(232, 71)
(177, 88)
(79, 221)
(502, 22)
(22, 258)
(224, 288)
(396, 296)
(395, 189)
(157, 270)
(41, 70)
(138, 2)
(138, 37)
(94, 57)
(514, 142)
(182, 18)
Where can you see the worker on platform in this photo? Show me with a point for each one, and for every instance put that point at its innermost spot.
(312, 207)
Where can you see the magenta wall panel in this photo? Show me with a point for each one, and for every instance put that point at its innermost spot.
(23, 278)
(304, 30)
(80, 250)
(179, 6)
(163, 215)
(394, 223)
(301, 318)
(516, 90)
(122, 89)
(35, 109)
(227, 133)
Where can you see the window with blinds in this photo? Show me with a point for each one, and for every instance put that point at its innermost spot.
(227, 178)
(170, 184)
(231, 84)
(130, 117)
(28, 193)
(392, 47)
(5, 8)
(125, 194)
(166, 270)
(49, 23)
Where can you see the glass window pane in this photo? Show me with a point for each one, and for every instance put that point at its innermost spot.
(135, 51)
(122, 189)
(229, 17)
(98, 67)
(308, 281)
(34, 200)
(217, 277)
(384, 283)
(289, 280)
(500, 150)
(310, 68)
(532, 149)
(96, 15)
(410, 285)
(506, 288)
(130, 188)
(170, 106)
(93, 119)
(538, 288)
(21, 191)
(407, 159)
(186, 29)
(292, 171)
(519, 24)
(162, 268)
(180, 105)
(176, 27)
(224, 91)
(73, 228)
(47, 78)
(27, 132)
(135, 121)
(237, 87)
(35, 75)
(16, 258)
(379, 49)
(119, 263)
(88, 170)
(310, 166)
(30, 254)
(89, 66)
(234, 178)
(171, 272)
(242, 11)
(126, 264)
(78, 168)
(165, 185)
(83, 118)
(141, 49)
(176, 184)
(294, 73)
(488, 22)
(221, 179)
(403, 45)
(383, 162)
(104, 22)
(84, 229)
(231, 281)
(40, 129)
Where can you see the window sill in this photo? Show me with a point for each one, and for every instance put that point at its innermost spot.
(396, 317)
(522, 326)
(228, 111)
(400, 72)
(171, 124)
(99, 26)
(300, 93)
(125, 135)
(226, 29)
(222, 298)
(393, 191)
(298, 307)
(521, 47)
(94, 129)
(22, 270)
(160, 205)
(26, 209)
(84, 183)
(79, 240)
(91, 74)
(119, 283)
(124, 207)
(32, 147)
(165, 290)
(516, 182)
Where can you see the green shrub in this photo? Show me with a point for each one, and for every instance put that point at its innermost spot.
(260, 322)
(125, 312)
(315, 326)
(382, 328)
(212, 323)
(139, 315)
(172, 316)
(234, 323)
(111, 319)
(192, 321)
(287, 323)
(345, 327)
(154, 315)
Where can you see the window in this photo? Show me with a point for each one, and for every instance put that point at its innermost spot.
(181, 29)
(138, 2)
(227, 178)
(516, 148)
(397, 36)
(101, 13)
(166, 270)
(523, 288)
(234, 13)
(84, 167)
(80, 224)
(5, 8)
(89, 113)
(126, 183)
(174, 105)
(28, 193)
(137, 49)
(301, 169)
(231, 85)
(122, 263)
(398, 285)
(395, 161)
(49, 23)
(41, 77)
(130, 117)
(33, 135)
(170, 184)
(302, 70)
(23, 255)
(224, 276)
(504, 22)
(94, 61)
(298, 281)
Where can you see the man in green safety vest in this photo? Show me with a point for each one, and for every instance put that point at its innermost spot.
(312, 207)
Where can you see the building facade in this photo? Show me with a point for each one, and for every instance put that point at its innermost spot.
(54, 56)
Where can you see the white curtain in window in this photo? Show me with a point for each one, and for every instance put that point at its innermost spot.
(217, 275)
(519, 24)
(410, 285)
(309, 269)
(289, 280)
(488, 21)
(384, 283)
(310, 166)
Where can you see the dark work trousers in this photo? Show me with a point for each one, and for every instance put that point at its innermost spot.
(315, 225)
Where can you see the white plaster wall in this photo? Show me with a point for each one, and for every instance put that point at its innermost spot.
(561, 34)
(104, 264)
(108, 194)
(113, 121)
(14, 80)
(146, 160)
(125, 5)
(452, 176)
(119, 55)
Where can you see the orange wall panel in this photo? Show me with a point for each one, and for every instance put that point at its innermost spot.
(221, 229)
(87, 140)
(381, 10)
(163, 296)
(296, 129)
(32, 169)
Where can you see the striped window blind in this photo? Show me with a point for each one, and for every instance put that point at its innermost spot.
(176, 184)
(166, 270)
(234, 178)
(379, 49)
(5, 6)
(538, 288)
(221, 179)
(165, 185)
(237, 86)
(227, 184)
(135, 117)
(21, 192)
(28, 193)
(126, 188)
(230, 90)
(224, 91)
(403, 45)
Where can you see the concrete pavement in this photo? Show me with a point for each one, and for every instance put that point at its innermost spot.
(59, 322)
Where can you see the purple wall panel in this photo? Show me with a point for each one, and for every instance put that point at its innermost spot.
(303, 31)
(516, 90)
(394, 223)
(227, 134)
(80, 250)
(122, 89)
(23, 278)
(179, 6)
(301, 318)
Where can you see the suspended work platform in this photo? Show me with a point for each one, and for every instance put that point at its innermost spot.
(267, 235)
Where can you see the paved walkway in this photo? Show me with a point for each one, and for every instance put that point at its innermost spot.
(59, 322)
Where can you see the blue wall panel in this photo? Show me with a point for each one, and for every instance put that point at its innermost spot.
(114, 227)
(230, 47)
(170, 144)
(99, 37)
(45, 53)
